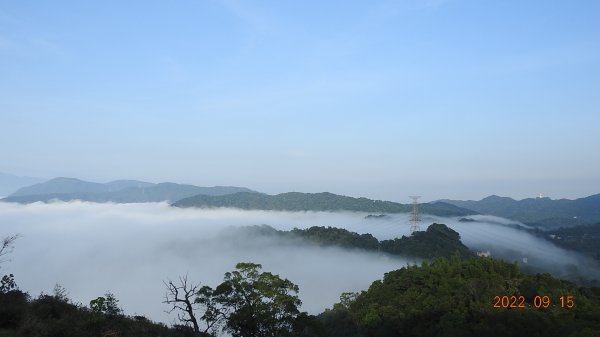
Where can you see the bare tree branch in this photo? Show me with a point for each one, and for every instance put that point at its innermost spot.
(7, 246)
(180, 297)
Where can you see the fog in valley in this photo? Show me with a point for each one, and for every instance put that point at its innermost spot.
(129, 249)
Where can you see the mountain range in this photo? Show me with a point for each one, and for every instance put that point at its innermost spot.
(539, 212)
(543, 213)
(128, 191)
(325, 201)
(119, 191)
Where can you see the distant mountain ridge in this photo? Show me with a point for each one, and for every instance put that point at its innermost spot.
(325, 201)
(9, 183)
(119, 191)
(542, 212)
(63, 185)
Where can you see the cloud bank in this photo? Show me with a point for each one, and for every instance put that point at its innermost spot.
(129, 249)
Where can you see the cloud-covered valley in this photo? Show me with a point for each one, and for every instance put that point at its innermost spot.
(129, 249)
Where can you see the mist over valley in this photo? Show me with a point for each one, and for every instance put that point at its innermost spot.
(129, 249)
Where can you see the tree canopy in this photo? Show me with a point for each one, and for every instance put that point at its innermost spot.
(260, 304)
(455, 297)
(248, 303)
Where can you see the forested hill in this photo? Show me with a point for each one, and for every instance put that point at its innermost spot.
(437, 241)
(456, 298)
(542, 212)
(295, 201)
(119, 191)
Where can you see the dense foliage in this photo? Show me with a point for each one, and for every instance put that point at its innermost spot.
(455, 297)
(336, 237)
(54, 315)
(437, 241)
(259, 303)
(248, 303)
(295, 201)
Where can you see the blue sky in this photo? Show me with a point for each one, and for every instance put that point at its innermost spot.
(384, 99)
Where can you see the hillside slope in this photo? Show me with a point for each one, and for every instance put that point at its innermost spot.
(295, 201)
(437, 241)
(457, 297)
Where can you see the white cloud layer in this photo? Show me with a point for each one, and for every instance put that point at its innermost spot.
(129, 249)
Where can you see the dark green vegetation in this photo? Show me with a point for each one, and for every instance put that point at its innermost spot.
(248, 303)
(540, 212)
(55, 315)
(584, 239)
(295, 201)
(120, 191)
(437, 241)
(455, 298)
(376, 216)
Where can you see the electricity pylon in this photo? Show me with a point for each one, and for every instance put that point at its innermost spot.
(415, 215)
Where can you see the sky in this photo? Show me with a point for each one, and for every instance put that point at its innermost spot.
(383, 99)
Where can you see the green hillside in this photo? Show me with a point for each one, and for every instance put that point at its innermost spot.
(456, 298)
(56, 315)
(437, 241)
(295, 201)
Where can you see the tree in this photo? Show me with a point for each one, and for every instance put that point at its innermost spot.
(247, 303)
(181, 298)
(103, 306)
(215, 314)
(7, 283)
(259, 304)
(7, 246)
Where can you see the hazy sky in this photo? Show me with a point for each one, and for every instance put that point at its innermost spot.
(382, 99)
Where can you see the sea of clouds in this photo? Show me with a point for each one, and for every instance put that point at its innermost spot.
(130, 249)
